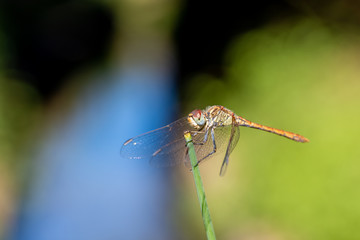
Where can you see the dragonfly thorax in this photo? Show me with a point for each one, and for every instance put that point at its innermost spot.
(197, 119)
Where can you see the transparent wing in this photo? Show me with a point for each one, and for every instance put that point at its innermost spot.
(233, 140)
(170, 155)
(152, 144)
(175, 152)
(166, 146)
(222, 136)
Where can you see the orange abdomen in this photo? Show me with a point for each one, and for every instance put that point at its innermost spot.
(293, 136)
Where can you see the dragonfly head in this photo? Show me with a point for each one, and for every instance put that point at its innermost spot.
(197, 119)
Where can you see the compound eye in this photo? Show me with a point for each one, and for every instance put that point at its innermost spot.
(198, 117)
(196, 114)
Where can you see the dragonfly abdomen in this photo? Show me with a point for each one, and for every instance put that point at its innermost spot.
(293, 136)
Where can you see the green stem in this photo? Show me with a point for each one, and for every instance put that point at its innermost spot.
(209, 228)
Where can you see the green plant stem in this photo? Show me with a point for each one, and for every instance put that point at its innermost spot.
(209, 228)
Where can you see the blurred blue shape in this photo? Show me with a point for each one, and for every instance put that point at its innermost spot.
(82, 188)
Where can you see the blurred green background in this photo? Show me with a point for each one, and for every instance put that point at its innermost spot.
(293, 65)
(303, 77)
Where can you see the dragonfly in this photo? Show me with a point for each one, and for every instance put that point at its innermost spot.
(214, 130)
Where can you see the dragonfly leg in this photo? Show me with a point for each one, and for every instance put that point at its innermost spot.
(214, 147)
(204, 140)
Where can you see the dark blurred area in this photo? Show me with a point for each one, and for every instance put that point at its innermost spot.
(54, 36)
(62, 36)
(78, 78)
(206, 28)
